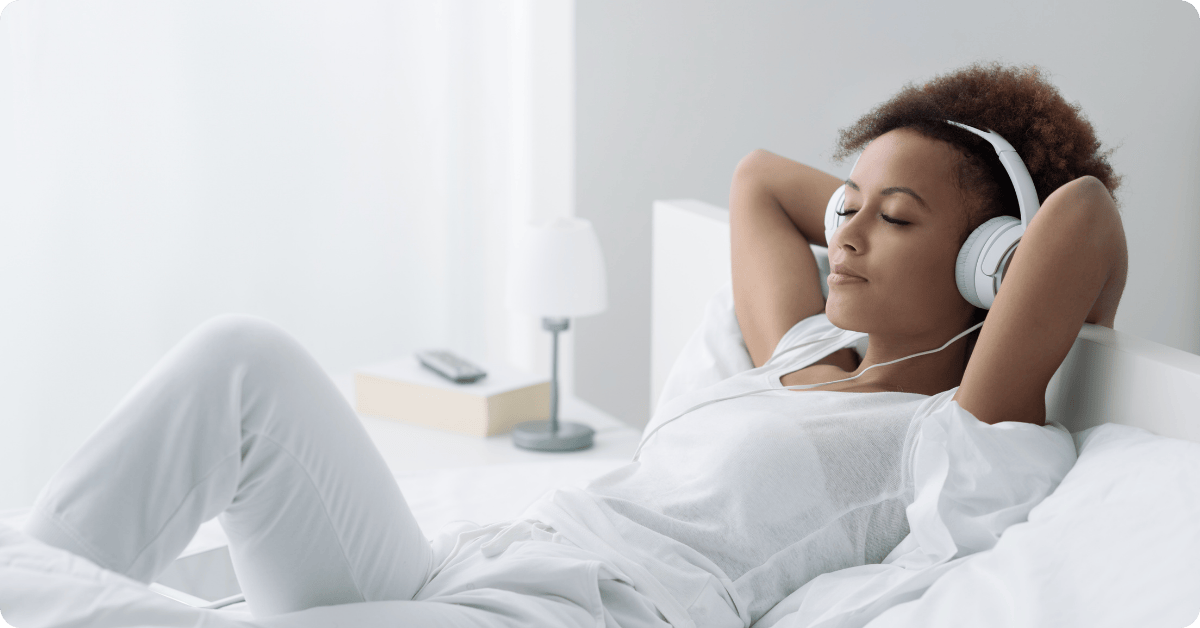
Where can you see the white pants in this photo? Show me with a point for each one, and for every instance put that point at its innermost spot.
(239, 422)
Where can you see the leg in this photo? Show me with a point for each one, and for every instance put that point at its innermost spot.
(238, 420)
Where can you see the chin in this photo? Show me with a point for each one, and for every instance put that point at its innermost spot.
(835, 312)
(862, 315)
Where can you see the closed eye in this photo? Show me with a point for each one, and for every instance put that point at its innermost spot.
(885, 217)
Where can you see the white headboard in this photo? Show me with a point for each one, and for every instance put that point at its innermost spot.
(1108, 376)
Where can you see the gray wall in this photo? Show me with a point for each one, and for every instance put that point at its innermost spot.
(670, 94)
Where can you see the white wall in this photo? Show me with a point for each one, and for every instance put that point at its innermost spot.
(671, 94)
(348, 169)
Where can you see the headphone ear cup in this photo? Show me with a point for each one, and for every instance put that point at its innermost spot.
(992, 238)
(835, 205)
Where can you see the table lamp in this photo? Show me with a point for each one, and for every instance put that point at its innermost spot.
(556, 271)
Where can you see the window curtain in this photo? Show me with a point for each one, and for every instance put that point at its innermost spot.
(345, 169)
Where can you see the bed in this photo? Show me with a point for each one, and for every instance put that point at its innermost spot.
(1116, 544)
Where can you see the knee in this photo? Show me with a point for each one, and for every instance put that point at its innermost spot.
(238, 336)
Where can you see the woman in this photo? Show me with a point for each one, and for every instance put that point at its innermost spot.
(727, 510)
(905, 246)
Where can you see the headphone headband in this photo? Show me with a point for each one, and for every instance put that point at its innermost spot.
(1017, 172)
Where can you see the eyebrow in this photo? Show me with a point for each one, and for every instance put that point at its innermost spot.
(892, 190)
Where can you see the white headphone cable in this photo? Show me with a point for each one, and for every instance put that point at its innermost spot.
(797, 386)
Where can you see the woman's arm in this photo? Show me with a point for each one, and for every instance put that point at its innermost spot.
(1069, 268)
(801, 192)
(776, 207)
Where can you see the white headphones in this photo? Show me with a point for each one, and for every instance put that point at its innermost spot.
(989, 248)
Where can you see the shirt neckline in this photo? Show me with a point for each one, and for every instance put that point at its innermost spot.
(775, 374)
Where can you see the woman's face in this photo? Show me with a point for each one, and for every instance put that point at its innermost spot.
(910, 289)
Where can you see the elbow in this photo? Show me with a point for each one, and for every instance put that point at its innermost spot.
(1087, 205)
(752, 161)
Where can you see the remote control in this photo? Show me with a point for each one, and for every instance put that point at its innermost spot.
(450, 366)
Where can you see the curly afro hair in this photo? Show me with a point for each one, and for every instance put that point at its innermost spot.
(1053, 138)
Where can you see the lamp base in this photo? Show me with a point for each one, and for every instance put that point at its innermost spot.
(537, 435)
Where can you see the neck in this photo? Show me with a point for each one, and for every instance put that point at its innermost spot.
(925, 374)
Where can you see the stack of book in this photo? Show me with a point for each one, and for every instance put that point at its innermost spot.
(405, 390)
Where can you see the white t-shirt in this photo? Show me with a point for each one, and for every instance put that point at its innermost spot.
(778, 487)
(767, 491)
(736, 505)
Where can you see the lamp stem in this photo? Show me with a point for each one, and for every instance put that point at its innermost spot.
(554, 325)
(552, 435)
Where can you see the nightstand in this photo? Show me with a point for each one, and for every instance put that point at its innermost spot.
(408, 448)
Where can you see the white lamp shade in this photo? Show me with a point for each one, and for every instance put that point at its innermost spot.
(556, 270)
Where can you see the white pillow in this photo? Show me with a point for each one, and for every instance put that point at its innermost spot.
(715, 351)
(1116, 544)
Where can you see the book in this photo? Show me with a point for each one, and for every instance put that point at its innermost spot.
(405, 390)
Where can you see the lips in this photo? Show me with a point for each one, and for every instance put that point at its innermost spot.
(842, 269)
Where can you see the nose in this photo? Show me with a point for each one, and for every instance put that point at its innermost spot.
(848, 234)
